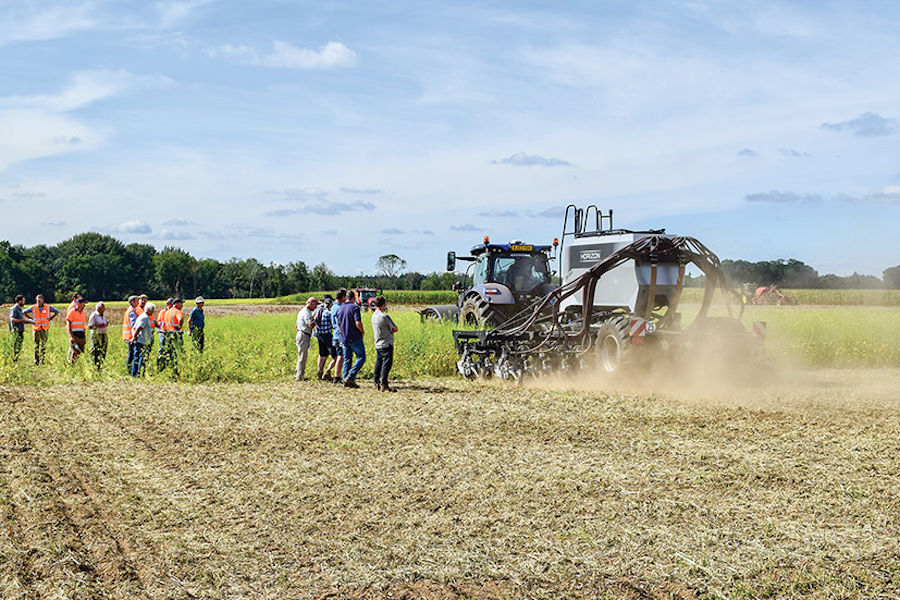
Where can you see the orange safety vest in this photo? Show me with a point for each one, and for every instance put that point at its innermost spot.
(161, 319)
(77, 319)
(128, 323)
(138, 311)
(41, 317)
(173, 320)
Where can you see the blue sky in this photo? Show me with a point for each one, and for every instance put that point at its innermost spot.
(337, 131)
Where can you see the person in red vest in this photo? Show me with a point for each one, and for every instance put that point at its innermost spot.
(42, 314)
(76, 325)
(128, 320)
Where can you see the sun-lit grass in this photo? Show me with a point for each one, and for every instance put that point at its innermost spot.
(258, 346)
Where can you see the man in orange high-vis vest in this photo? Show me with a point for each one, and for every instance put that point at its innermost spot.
(161, 329)
(172, 324)
(76, 325)
(42, 314)
(128, 320)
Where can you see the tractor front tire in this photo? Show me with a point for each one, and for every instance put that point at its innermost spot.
(613, 345)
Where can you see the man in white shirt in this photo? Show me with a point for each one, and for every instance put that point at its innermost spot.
(305, 325)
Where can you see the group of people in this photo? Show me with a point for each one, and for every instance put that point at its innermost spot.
(140, 320)
(338, 329)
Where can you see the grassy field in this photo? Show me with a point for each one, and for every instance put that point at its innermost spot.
(255, 344)
(450, 489)
(234, 481)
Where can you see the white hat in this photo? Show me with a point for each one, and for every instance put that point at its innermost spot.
(199, 299)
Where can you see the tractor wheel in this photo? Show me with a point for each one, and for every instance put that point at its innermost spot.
(613, 346)
(475, 312)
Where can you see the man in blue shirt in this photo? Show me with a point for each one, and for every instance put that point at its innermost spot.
(196, 322)
(337, 340)
(17, 320)
(349, 322)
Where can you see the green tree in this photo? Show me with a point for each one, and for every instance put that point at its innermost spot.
(390, 265)
(892, 278)
(323, 278)
(90, 263)
(173, 269)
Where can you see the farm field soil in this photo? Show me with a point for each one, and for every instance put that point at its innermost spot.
(450, 489)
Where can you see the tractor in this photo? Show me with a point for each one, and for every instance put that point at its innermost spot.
(365, 297)
(618, 304)
(505, 278)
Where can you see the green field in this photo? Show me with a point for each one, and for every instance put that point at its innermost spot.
(250, 345)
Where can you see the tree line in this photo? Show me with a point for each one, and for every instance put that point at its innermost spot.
(100, 266)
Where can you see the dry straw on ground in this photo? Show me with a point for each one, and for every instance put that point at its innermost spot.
(449, 489)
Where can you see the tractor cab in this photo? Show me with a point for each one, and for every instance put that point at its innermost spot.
(504, 279)
(520, 267)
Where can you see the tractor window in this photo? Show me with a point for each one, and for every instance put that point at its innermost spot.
(520, 273)
(480, 275)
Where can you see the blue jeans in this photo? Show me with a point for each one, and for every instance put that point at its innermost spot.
(139, 361)
(357, 347)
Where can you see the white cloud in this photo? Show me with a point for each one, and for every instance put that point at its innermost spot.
(171, 13)
(24, 20)
(367, 191)
(170, 234)
(285, 55)
(31, 134)
(867, 125)
(779, 197)
(178, 223)
(521, 159)
(84, 88)
(889, 195)
(134, 227)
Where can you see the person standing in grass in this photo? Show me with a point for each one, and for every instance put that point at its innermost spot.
(17, 320)
(161, 328)
(98, 324)
(41, 315)
(76, 327)
(196, 323)
(350, 323)
(305, 325)
(174, 336)
(336, 338)
(325, 338)
(384, 329)
(128, 319)
(142, 336)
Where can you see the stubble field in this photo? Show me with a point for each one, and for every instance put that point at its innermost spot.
(579, 488)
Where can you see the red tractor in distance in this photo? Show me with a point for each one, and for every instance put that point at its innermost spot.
(365, 297)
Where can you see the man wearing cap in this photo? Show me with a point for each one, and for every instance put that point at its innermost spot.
(305, 325)
(324, 338)
(196, 322)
